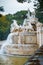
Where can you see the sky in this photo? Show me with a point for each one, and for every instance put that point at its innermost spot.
(12, 6)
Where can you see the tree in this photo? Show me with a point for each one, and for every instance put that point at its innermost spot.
(1, 9)
(21, 1)
(41, 5)
(39, 13)
(21, 17)
(4, 27)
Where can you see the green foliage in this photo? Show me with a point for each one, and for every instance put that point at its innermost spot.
(20, 16)
(41, 5)
(39, 16)
(9, 17)
(21, 1)
(1, 9)
(39, 13)
(4, 27)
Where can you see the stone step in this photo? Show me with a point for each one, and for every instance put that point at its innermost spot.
(39, 53)
(29, 63)
(32, 63)
(40, 50)
(37, 58)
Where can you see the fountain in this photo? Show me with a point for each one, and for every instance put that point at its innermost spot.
(20, 40)
(23, 39)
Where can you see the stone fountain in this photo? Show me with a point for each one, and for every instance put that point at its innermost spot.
(23, 39)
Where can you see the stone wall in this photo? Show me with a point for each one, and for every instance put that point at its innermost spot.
(42, 37)
(35, 37)
(28, 38)
(40, 34)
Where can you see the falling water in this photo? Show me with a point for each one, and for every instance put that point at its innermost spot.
(9, 40)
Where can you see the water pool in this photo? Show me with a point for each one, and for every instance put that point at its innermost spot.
(13, 60)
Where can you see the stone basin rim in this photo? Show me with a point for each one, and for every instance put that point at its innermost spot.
(16, 55)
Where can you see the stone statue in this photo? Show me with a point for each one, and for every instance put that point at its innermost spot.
(28, 14)
(33, 14)
(14, 25)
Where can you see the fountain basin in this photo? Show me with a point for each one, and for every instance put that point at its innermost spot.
(12, 60)
(24, 49)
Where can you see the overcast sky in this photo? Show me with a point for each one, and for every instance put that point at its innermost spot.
(12, 6)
